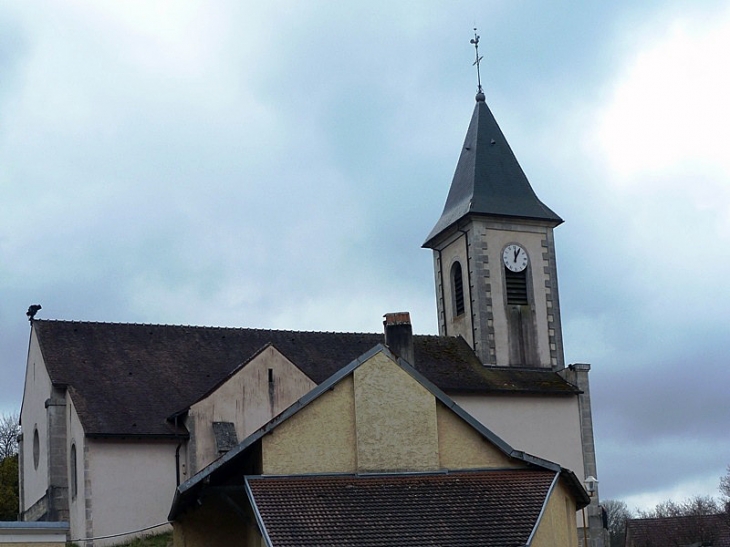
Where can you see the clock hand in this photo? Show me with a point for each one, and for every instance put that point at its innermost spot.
(517, 252)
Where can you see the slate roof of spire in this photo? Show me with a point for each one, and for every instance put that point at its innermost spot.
(488, 179)
(129, 379)
(498, 508)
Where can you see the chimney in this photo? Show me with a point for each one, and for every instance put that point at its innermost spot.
(399, 335)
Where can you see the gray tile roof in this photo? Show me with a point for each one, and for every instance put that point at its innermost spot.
(710, 530)
(495, 508)
(129, 379)
(488, 179)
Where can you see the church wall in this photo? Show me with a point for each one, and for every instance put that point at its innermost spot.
(548, 427)
(531, 237)
(247, 399)
(558, 524)
(320, 438)
(395, 417)
(460, 447)
(33, 415)
(77, 502)
(122, 474)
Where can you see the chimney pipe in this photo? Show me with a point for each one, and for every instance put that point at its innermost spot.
(399, 335)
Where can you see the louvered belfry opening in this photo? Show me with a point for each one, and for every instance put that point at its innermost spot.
(457, 284)
(516, 287)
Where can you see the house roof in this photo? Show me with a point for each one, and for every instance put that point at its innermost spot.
(488, 179)
(129, 379)
(495, 508)
(683, 531)
(224, 468)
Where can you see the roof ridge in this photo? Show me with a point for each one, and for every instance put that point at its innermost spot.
(207, 327)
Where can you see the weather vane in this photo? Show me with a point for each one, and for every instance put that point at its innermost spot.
(475, 41)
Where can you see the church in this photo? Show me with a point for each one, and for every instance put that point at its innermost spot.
(126, 426)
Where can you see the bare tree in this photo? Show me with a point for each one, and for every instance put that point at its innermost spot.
(617, 513)
(695, 506)
(9, 431)
(725, 485)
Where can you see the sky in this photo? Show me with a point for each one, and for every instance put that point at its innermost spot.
(279, 164)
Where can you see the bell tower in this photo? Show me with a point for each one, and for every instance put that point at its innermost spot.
(494, 255)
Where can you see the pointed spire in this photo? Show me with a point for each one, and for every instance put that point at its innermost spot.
(488, 179)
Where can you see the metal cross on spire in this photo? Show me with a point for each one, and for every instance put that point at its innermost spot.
(475, 41)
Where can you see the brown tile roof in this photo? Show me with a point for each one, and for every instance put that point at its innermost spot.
(710, 530)
(128, 379)
(482, 508)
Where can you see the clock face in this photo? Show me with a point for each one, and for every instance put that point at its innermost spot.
(514, 258)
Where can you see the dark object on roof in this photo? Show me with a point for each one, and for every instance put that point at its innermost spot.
(487, 508)
(687, 531)
(32, 310)
(488, 179)
(128, 379)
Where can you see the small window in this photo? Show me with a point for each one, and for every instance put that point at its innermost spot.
(457, 287)
(74, 473)
(36, 447)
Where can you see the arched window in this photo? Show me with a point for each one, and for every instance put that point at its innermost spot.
(457, 288)
(36, 447)
(74, 473)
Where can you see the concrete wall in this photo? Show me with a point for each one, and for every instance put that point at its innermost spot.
(33, 534)
(557, 525)
(248, 400)
(33, 416)
(133, 484)
(547, 427)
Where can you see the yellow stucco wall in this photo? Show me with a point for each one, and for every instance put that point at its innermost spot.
(461, 447)
(379, 419)
(320, 438)
(557, 526)
(395, 417)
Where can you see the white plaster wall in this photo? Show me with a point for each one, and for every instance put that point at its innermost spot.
(133, 484)
(547, 427)
(247, 400)
(32, 414)
(77, 505)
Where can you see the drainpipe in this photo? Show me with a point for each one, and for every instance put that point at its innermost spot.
(177, 458)
(440, 270)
